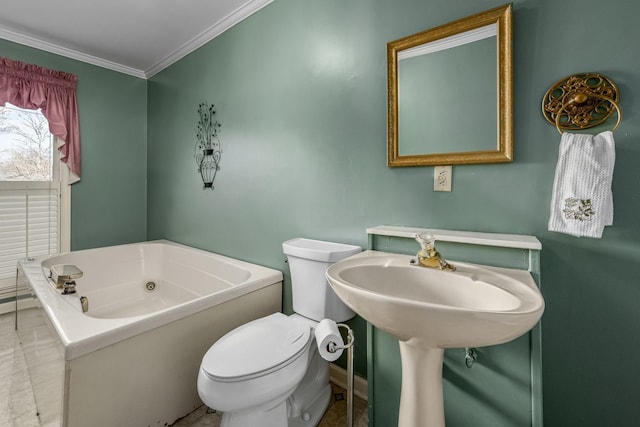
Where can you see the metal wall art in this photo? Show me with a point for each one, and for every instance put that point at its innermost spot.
(581, 101)
(208, 148)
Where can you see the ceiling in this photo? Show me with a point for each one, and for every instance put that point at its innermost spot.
(136, 37)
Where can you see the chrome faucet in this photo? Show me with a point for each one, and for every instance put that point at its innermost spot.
(64, 276)
(428, 256)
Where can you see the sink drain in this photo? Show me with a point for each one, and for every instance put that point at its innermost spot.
(150, 286)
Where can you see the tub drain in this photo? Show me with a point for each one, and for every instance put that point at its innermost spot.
(150, 286)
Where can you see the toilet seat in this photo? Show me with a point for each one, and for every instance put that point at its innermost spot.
(276, 339)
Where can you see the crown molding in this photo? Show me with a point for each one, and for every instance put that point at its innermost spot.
(238, 15)
(244, 11)
(68, 53)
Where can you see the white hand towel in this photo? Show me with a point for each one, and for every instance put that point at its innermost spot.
(582, 201)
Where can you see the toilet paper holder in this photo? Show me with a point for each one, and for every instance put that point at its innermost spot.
(333, 347)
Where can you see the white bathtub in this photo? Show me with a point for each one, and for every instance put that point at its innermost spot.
(133, 357)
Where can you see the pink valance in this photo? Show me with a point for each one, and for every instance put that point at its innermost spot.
(54, 93)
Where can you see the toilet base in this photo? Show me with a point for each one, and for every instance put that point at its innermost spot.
(310, 400)
(274, 417)
(314, 410)
(277, 416)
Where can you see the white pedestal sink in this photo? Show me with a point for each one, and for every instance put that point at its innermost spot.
(429, 310)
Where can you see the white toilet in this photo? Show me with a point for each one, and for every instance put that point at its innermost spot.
(268, 372)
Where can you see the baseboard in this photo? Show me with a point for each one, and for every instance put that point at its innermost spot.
(338, 376)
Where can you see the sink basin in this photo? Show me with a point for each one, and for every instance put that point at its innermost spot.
(428, 310)
(474, 306)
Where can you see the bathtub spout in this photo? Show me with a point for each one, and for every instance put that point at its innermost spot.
(61, 273)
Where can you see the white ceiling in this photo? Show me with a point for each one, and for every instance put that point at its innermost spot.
(136, 37)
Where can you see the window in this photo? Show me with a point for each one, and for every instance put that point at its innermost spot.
(34, 195)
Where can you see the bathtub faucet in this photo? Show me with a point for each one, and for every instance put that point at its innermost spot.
(64, 275)
(428, 256)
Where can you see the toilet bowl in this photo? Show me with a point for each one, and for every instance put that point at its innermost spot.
(268, 372)
(254, 368)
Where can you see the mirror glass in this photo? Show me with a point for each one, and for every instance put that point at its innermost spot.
(449, 93)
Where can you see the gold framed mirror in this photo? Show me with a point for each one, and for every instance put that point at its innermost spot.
(449, 93)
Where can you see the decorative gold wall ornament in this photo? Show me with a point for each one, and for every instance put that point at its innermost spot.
(581, 101)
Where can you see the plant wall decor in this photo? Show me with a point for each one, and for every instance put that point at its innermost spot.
(208, 149)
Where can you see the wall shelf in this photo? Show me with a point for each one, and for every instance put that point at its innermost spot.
(515, 241)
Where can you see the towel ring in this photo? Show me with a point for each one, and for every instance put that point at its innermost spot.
(585, 100)
(580, 98)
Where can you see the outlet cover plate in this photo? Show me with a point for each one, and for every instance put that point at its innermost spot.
(442, 178)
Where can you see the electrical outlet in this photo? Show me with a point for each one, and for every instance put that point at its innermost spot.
(442, 178)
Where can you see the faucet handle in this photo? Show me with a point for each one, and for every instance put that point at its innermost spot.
(428, 256)
(426, 239)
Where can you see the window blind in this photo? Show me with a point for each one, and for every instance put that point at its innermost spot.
(29, 224)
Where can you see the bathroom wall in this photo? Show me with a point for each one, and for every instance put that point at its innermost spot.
(300, 89)
(108, 205)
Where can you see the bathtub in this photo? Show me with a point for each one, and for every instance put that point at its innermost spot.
(132, 358)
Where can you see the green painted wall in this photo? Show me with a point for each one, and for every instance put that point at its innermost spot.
(108, 205)
(300, 89)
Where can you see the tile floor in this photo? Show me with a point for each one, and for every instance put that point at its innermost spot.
(18, 408)
(17, 405)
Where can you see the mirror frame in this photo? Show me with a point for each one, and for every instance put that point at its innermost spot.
(501, 16)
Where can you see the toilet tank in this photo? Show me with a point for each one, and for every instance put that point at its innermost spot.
(308, 261)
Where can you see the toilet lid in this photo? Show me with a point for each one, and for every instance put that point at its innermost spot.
(257, 348)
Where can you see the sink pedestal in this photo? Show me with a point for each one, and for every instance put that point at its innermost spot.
(421, 400)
